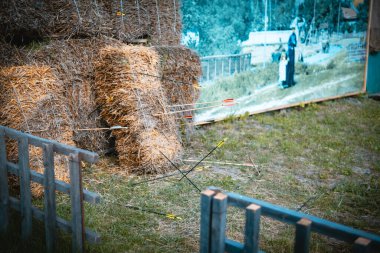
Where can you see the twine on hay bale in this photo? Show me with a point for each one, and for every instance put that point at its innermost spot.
(130, 95)
(23, 21)
(32, 101)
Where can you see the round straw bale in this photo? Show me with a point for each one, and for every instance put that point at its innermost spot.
(130, 95)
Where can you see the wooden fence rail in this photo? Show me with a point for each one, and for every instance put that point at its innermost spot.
(24, 204)
(214, 205)
(217, 66)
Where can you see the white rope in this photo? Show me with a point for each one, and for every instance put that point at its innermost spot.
(77, 8)
(158, 20)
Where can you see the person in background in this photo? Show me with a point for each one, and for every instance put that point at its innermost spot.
(292, 43)
(282, 70)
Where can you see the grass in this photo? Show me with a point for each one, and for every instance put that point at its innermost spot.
(327, 153)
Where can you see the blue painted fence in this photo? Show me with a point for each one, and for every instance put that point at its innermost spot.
(214, 205)
(24, 204)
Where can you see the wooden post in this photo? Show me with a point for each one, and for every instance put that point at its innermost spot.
(50, 204)
(252, 229)
(4, 194)
(76, 204)
(218, 223)
(362, 245)
(25, 193)
(206, 208)
(303, 231)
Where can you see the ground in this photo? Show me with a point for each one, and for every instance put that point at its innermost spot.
(323, 159)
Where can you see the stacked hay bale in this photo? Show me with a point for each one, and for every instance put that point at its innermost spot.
(157, 20)
(180, 72)
(32, 101)
(72, 61)
(131, 96)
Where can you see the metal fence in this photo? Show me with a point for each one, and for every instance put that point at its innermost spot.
(214, 205)
(24, 204)
(217, 66)
(356, 52)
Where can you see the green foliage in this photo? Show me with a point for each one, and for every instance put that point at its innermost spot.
(220, 24)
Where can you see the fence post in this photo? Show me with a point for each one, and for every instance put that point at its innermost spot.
(205, 232)
(252, 229)
(49, 191)
(4, 194)
(362, 245)
(218, 223)
(303, 231)
(76, 204)
(25, 192)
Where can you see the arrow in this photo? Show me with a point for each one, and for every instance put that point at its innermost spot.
(221, 143)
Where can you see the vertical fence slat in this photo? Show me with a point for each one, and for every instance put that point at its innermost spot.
(25, 193)
(76, 204)
(362, 245)
(206, 208)
(208, 70)
(4, 194)
(303, 231)
(222, 67)
(215, 65)
(49, 191)
(229, 65)
(252, 229)
(218, 223)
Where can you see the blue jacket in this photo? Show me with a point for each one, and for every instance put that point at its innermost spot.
(292, 43)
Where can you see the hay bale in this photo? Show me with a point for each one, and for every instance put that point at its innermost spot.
(23, 21)
(32, 101)
(180, 72)
(130, 96)
(9, 54)
(72, 62)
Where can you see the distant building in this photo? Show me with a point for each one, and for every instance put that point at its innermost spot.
(349, 14)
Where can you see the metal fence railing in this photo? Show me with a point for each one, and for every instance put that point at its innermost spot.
(217, 66)
(214, 205)
(356, 52)
(51, 185)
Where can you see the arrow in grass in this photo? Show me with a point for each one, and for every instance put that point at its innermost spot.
(221, 143)
(183, 174)
(167, 215)
(228, 100)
